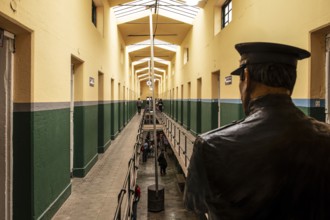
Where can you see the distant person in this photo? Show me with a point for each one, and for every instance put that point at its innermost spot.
(137, 195)
(160, 105)
(139, 105)
(162, 163)
(275, 163)
(145, 151)
(166, 144)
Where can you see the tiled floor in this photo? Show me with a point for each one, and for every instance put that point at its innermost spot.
(95, 196)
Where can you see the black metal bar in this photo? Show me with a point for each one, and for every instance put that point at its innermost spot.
(185, 150)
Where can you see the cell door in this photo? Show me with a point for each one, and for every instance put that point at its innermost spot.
(215, 99)
(327, 77)
(6, 119)
(71, 119)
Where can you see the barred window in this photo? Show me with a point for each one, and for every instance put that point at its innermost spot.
(94, 13)
(226, 13)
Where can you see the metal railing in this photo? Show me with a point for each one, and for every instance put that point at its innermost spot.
(126, 194)
(182, 142)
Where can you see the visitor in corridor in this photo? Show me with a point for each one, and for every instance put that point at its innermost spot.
(160, 105)
(137, 195)
(139, 105)
(272, 165)
(145, 151)
(162, 163)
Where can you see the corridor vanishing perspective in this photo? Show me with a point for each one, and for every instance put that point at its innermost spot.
(71, 73)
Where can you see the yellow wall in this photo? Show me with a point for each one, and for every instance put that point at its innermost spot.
(287, 22)
(57, 30)
(61, 29)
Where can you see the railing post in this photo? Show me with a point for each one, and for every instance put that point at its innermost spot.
(174, 140)
(119, 210)
(171, 130)
(178, 143)
(129, 194)
(185, 151)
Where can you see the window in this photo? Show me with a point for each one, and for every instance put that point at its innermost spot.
(226, 13)
(94, 15)
(98, 15)
(186, 55)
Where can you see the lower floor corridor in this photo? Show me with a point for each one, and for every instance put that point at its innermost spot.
(95, 196)
(173, 207)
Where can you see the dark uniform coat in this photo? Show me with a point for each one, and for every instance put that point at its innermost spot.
(274, 164)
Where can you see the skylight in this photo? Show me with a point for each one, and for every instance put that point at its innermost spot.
(177, 10)
(157, 43)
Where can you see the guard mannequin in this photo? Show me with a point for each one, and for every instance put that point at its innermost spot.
(275, 163)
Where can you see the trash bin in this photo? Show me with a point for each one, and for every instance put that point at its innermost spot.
(155, 202)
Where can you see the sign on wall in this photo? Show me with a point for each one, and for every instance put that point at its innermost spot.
(228, 80)
(91, 81)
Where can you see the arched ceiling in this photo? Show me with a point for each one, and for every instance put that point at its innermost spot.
(172, 20)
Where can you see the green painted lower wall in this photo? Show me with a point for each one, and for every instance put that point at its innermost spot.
(180, 112)
(104, 127)
(186, 114)
(195, 117)
(22, 172)
(209, 115)
(41, 151)
(85, 139)
(315, 112)
(41, 142)
(230, 112)
(114, 120)
(167, 107)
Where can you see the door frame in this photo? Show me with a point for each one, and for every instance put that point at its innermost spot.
(327, 79)
(71, 119)
(6, 118)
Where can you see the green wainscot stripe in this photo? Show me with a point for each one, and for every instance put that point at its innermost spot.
(114, 120)
(120, 115)
(104, 127)
(133, 109)
(22, 163)
(186, 114)
(176, 110)
(195, 119)
(172, 112)
(315, 112)
(56, 205)
(41, 162)
(230, 112)
(209, 116)
(180, 112)
(166, 106)
(85, 139)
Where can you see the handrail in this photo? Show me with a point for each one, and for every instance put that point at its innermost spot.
(173, 131)
(170, 129)
(132, 171)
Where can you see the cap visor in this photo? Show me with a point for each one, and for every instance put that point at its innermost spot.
(238, 71)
